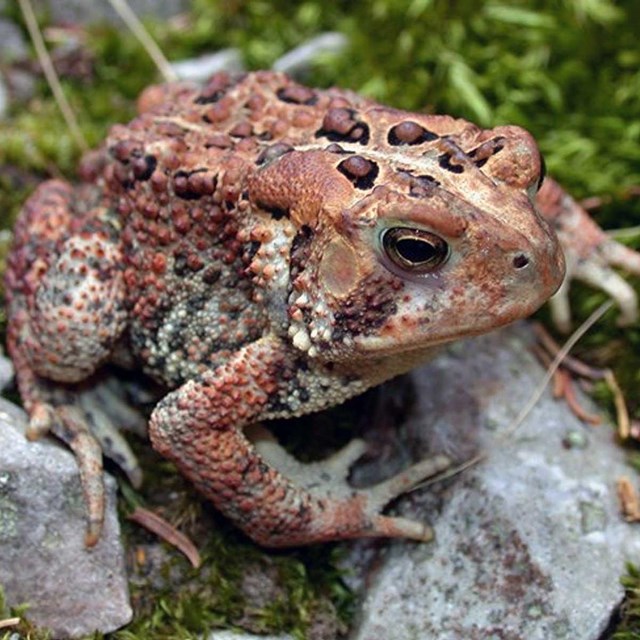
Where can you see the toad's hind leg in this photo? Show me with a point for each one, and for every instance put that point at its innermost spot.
(276, 500)
(65, 314)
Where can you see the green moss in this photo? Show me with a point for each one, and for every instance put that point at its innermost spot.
(302, 589)
(238, 584)
(629, 626)
(24, 629)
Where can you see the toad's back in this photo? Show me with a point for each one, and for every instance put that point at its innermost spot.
(203, 215)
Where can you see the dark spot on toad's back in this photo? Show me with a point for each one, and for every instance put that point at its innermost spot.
(216, 88)
(144, 167)
(241, 130)
(444, 161)
(482, 153)
(296, 94)
(273, 152)
(421, 186)
(410, 133)
(341, 124)
(192, 185)
(360, 171)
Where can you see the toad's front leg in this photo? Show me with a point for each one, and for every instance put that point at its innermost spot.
(276, 500)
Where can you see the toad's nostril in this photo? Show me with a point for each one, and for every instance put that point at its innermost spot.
(520, 261)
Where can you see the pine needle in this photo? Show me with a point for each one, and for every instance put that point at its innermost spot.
(144, 37)
(51, 75)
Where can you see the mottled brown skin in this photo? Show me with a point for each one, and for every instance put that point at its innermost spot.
(265, 250)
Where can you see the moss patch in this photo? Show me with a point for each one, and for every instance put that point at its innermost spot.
(238, 585)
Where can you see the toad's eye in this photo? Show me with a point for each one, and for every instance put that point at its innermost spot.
(414, 250)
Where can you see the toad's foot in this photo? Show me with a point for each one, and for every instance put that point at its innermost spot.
(87, 419)
(274, 498)
(328, 479)
(590, 255)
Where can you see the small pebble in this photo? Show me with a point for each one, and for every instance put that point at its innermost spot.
(575, 439)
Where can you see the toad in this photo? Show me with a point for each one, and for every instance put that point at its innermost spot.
(265, 250)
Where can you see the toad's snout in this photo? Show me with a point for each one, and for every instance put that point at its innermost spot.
(536, 269)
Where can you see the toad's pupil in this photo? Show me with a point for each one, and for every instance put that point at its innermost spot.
(416, 251)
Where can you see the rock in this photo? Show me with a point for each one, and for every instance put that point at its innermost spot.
(70, 589)
(201, 68)
(6, 371)
(12, 47)
(85, 11)
(12, 43)
(300, 59)
(529, 542)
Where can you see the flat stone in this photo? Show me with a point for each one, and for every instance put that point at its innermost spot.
(301, 59)
(12, 43)
(529, 542)
(6, 371)
(203, 67)
(70, 589)
(84, 12)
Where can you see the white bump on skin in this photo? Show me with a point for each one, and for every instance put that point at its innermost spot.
(301, 340)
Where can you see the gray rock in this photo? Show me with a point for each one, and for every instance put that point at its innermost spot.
(12, 43)
(530, 542)
(300, 59)
(70, 589)
(87, 11)
(6, 370)
(201, 68)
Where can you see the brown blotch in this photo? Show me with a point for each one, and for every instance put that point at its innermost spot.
(273, 152)
(193, 185)
(125, 150)
(409, 132)
(143, 168)
(218, 112)
(444, 161)
(241, 130)
(482, 153)
(360, 171)
(296, 94)
(341, 124)
(422, 186)
(215, 89)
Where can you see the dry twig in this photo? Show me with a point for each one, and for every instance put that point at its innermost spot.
(9, 622)
(50, 74)
(144, 37)
(154, 523)
(629, 503)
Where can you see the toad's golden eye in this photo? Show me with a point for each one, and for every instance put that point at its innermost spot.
(414, 250)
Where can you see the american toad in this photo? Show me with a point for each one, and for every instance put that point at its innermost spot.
(265, 250)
